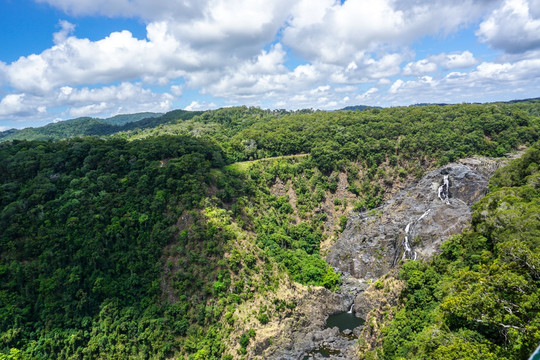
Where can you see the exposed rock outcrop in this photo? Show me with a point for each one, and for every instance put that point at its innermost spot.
(414, 223)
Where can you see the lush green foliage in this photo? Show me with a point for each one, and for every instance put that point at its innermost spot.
(480, 298)
(83, 228)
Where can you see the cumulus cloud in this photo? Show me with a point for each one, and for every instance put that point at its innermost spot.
(340, 32)
(66, 29)
(118, 57)
(195, 106)
(13, 104)
(67, 101)
(367, 95)
(445, 61)
(514, 27)
(487, 79)
(420, 67)
(456, 60)
(176, 90)
(112, 100)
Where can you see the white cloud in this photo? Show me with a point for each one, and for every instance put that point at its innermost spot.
(66, 29)
(514, 27)
(13, 104)
(348, 88)
(264, 76)
(195, 105)
(456, 60)
(396, 86)
(420, 67)
(176, 90)
(72, 102)
(118, 57)
(320, 89)
(487, 80)
(88, 110)
(112, 100)
(367, 95)
(131, 8)
(431, 64)
(340, 32)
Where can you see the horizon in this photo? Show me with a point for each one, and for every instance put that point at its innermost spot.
(268, 109)
(64, 59)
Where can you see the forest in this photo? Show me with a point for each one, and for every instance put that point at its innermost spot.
(142, 240)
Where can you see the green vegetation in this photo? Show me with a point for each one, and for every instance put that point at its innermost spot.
(143, 244)
(480, 297)
(83, 228)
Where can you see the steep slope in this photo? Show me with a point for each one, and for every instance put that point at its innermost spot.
(414, 222)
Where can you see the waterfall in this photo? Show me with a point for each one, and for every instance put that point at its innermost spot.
(443, 191)
(350, 310)
(408, 229)
(408, 249)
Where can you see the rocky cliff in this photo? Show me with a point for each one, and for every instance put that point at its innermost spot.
(414, 222)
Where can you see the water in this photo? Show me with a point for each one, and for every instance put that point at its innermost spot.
(409, 228)
(325, 352)
(443, 191)
(344, 321)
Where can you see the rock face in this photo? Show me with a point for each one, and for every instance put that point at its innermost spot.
(414, 223)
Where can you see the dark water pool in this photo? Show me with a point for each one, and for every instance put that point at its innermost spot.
(344, 321)
(325, 352)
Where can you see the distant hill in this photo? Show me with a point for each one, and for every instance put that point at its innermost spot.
(360, 107)
(129, 118)
(429, 104)
(86, 126)
(531, 100)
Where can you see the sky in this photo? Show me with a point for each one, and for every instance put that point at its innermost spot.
(62, 59)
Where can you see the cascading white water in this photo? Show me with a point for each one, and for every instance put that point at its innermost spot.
(443, 191)
(350, 310)
(408, 229)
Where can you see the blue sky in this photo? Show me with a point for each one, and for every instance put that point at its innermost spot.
(62, 59)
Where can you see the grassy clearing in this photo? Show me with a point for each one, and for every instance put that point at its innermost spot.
(245, 165)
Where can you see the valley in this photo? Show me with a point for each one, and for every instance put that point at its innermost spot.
(235, 233)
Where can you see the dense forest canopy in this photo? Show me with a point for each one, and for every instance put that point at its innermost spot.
(141, 244)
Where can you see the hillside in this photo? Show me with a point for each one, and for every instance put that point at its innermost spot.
(205, 235)
(99, 127)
